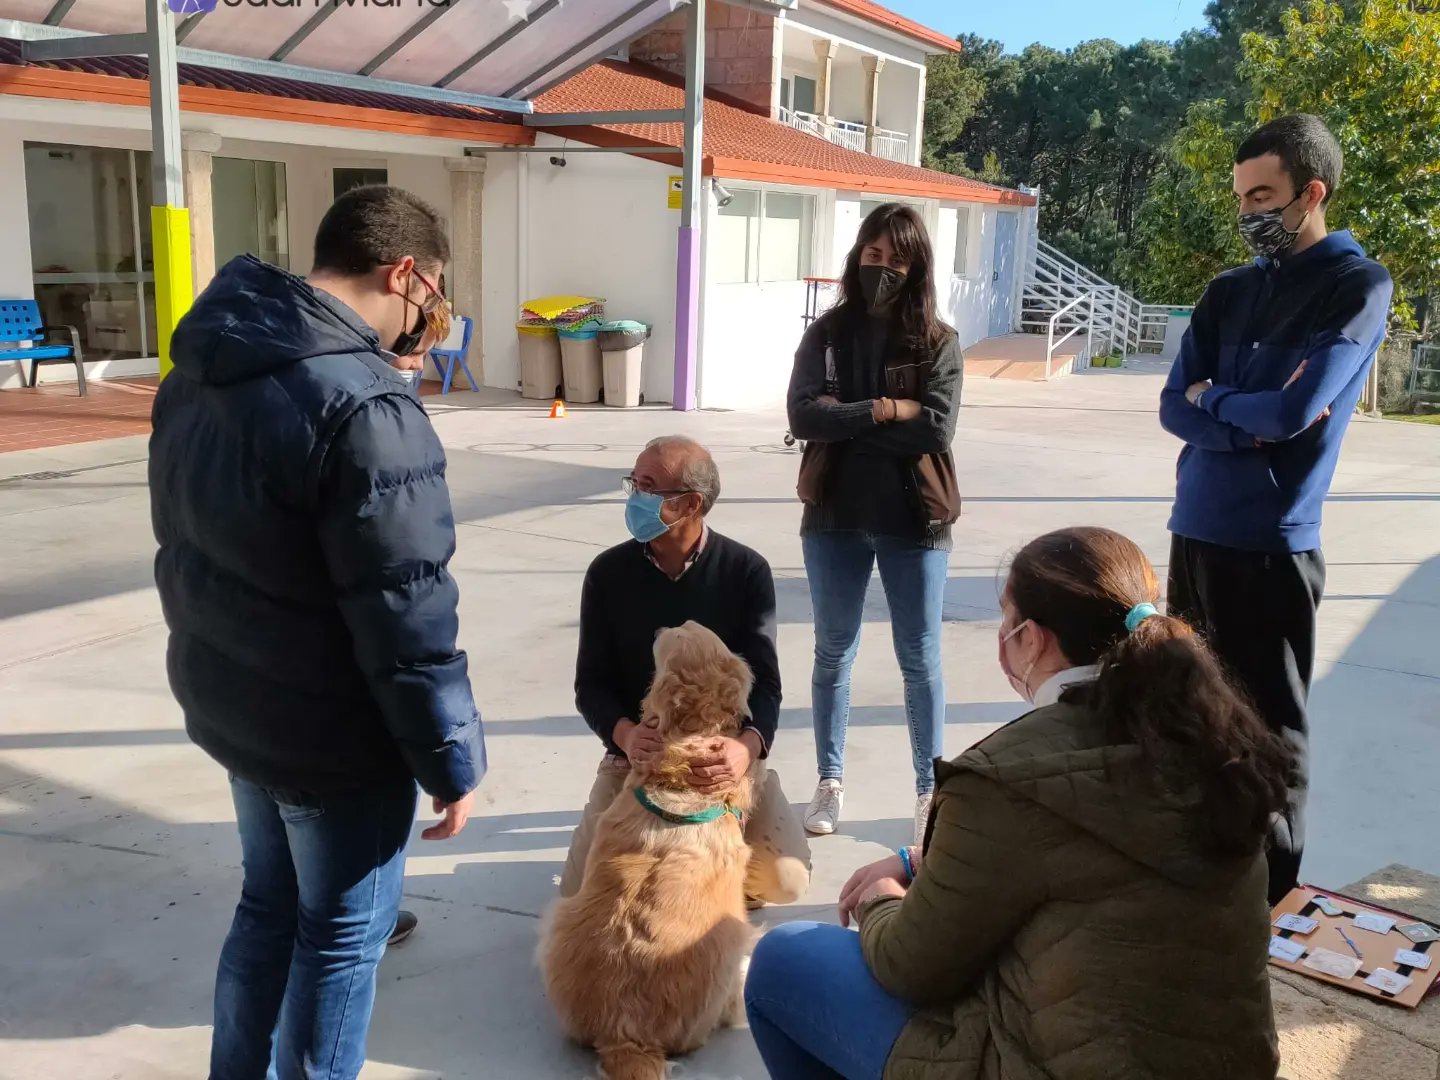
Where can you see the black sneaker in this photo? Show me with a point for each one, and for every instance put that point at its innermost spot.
(405, 923)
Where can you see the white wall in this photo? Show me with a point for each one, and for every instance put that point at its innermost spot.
(964, 298)
(601, 226)
(899, 91)
(848, 84)
(15, 282)
(751, 333)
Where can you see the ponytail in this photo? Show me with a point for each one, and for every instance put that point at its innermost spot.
(1163, 690)
(1158, 685)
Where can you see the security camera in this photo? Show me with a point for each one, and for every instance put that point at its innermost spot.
(558, 162)
(723, 197)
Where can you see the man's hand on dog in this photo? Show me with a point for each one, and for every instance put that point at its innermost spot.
(454, 816)
(724, 762)
(641, 742)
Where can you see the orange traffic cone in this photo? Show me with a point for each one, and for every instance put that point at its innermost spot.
(557, 411)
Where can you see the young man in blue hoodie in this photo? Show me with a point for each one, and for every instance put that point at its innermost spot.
(298, 495)
(1267, 379)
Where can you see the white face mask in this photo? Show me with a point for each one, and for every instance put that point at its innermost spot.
(1019, 683)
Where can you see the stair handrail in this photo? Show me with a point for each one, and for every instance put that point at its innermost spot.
(1050, 343)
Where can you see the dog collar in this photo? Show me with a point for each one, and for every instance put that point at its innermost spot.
(714, 813)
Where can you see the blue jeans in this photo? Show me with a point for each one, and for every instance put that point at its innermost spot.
(319, 899)
(838, 565)
(815, 1011)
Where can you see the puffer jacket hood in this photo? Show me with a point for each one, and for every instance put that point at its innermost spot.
(254, 319)
(1080, 777)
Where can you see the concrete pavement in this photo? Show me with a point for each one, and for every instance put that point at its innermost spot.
(118, 856)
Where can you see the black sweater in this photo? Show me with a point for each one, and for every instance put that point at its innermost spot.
(870, 488)
(627, 600)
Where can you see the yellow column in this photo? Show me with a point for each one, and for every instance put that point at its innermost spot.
(174, 280)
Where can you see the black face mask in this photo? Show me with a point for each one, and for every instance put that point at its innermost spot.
(1264, 231)
(880, 285)
(407, 342)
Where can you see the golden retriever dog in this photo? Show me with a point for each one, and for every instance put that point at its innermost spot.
(645, 961)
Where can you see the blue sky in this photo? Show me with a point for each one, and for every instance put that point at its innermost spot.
(1059, 23)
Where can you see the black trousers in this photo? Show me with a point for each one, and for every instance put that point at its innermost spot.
(1257, 612)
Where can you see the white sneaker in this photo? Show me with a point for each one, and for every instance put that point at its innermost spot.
(824, 813)
(922, 817)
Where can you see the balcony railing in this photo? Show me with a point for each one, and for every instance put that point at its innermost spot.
(892, 145)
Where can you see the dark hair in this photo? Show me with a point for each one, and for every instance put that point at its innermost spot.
(378, 225)
(1305, 148)
(1159, 686)
(915, 307)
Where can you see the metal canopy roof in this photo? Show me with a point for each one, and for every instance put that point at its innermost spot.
(490, 53)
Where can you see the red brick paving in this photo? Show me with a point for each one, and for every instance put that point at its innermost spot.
(56, 415)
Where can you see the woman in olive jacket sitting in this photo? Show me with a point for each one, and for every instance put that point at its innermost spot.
(1090, 902)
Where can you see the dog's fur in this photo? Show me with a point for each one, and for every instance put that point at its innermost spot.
(645, 960)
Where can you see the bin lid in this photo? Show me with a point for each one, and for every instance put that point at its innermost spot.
(625, 326)
(583, 332)
(552, 307)
(535, 329)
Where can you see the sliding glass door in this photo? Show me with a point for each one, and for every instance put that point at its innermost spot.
(91, 254)
(251, 210)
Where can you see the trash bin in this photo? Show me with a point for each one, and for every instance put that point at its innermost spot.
(622, 343)
(539, 362)
(1176, 324)
(580, 360)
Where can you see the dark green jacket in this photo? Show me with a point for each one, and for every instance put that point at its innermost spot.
(1065, 924)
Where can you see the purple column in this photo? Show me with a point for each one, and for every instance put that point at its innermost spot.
(687, 317)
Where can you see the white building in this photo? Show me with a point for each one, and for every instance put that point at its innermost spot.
(265, 156)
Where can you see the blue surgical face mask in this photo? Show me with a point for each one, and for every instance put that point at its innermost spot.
(642, 516)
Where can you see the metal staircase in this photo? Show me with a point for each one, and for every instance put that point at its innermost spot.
(1065, 300)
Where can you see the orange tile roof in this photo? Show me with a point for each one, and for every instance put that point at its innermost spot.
(891, 20)
(124, 80)
(743, 145)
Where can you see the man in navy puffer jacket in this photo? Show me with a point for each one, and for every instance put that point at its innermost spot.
(1263, 389)
(298, 495)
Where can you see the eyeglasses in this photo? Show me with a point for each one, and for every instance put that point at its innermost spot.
(629, 485)
(435, 308)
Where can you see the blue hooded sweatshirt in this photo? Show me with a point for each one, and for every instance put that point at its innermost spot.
(1259, 455)
(298, 495)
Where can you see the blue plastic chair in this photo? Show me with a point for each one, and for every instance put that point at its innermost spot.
(20, 321)
(455, 356)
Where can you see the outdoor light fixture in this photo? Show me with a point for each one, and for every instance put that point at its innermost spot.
(723, 196)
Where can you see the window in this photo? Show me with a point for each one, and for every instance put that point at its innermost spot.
(252, 216)
(785, 230)
(869, 206)
(736, 235)
(93, 265)
(763, 236)
(962, 241)
(803, 94)
(347, 178)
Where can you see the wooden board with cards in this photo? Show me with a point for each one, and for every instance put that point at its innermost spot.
(1381, 954)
